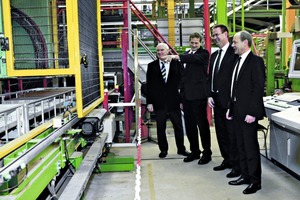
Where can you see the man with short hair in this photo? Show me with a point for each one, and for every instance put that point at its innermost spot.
(246, 108)
(194, 93)
(163, 99)
(219, 82)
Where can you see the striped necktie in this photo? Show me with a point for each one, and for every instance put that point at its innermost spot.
(163, 71)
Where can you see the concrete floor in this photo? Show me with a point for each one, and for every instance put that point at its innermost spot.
(172, 179)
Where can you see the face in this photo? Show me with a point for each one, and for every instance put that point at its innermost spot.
(195, 43)
(162, 51)
(220, 39)
(238, 45)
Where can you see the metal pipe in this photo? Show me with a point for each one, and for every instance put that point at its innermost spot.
(207, 45)
(136, 78)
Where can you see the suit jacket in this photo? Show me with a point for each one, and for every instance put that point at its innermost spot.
(163, 95)
(250, 87)
(223, 79)
(195, 74)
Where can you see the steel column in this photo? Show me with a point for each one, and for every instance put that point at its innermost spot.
(171, 23)
(270, 62)
(207, 45)
(221, 12)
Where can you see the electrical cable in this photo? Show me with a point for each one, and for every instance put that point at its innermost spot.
(17, 185)
(36, 36)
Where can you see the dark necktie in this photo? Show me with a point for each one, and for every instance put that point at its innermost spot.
(163, 71)
(215, 89)
(235, 78)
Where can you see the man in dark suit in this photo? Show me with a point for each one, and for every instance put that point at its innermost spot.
(219, 82)
(194, 93)
(246, 108)
(163, 98)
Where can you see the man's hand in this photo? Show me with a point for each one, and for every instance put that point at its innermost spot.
(150, 107)
(174, 57)
(249, 119)
(211, 102)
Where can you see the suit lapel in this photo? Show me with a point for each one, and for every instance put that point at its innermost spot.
(157, 69)
(212, 60)
(228, 52)
(245, 64)
(171, 68)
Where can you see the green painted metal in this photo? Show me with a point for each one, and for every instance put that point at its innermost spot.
(233, 17)
(296, 85)
(246, 29)
(40, 176)
(74, 131)
(191, 8)
(283, 64)
(76, 159)
(243, 15)
(270, 62)
(258, 13)
(117, 164)
(222, 12)
(181, 49)
(12, 156)
(3, 189)
(161, 9)
(32, 180)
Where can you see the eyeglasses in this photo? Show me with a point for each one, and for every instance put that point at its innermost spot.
(216, 35)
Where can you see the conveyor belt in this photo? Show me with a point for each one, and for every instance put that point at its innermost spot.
(78, 182)
(26, 157)
(17, 112)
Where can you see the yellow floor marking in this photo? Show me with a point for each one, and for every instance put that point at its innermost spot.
(151, 182)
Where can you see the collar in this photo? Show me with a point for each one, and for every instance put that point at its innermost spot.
(225, 47)
(244, 55)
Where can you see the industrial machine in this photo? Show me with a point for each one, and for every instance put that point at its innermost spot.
(283, 112)
(52, 138)
(45, 143)
(55, 135)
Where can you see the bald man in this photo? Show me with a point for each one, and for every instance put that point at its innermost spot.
(246, 108)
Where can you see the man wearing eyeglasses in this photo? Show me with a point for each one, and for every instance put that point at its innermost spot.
(220, 73)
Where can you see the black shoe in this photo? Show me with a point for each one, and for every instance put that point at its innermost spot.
(191, 157)
(184, 153)
(204, 160)
(252, 188)
(163, 154)
(233, 174)
(221, 167)
(239, 181)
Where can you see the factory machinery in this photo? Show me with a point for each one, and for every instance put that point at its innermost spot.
(283, 112)
(54, 136)
(58, 121)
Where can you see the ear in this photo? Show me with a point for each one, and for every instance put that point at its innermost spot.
(226, 34)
